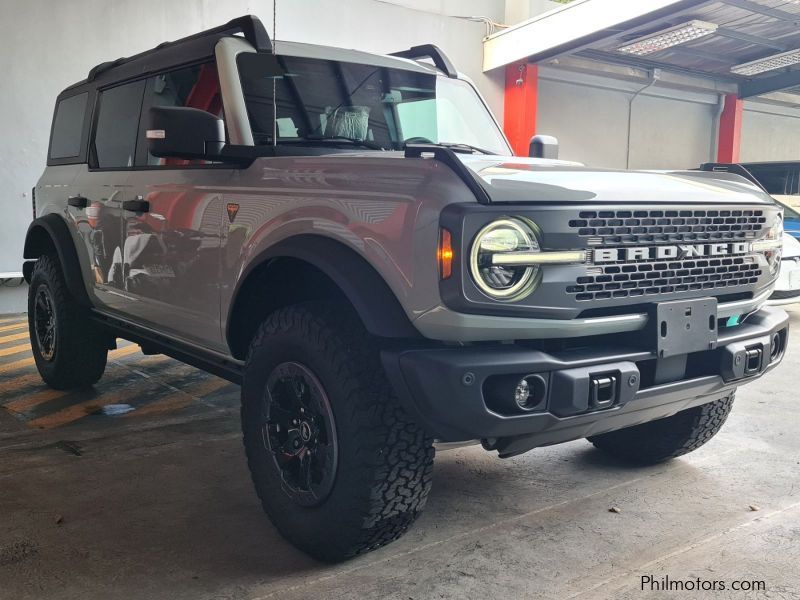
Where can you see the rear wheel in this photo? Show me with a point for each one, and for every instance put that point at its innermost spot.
(338, 465)
(663, 439)
(69, 349)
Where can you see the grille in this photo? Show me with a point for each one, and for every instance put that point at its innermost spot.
(653, 277)
(642, 226)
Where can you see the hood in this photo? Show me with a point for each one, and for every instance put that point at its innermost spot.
(791, 246)
(513, 179)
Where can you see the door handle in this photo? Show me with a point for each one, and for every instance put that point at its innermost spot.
(138, 205)
(78, 201)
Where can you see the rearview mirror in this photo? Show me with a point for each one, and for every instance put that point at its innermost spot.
(182, 132)
(543, 146)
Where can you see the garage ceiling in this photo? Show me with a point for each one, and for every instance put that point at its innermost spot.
(746, 30)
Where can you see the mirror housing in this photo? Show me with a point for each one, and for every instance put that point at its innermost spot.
(543, 146)
(182, 132)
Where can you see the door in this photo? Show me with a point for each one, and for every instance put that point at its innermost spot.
(172, 222)
(98, 191)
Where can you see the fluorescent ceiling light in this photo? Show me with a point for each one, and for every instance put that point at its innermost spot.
(674, 36)
(770, 63)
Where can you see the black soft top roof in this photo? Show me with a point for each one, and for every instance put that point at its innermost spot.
(198, 46)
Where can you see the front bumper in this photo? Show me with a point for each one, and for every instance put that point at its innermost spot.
(441, 323)
(453, 391)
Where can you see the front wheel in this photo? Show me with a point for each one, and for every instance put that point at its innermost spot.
(339, 466)
(663, 439)
(68, 348)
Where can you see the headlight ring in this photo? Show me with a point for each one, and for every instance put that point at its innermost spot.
(504, 282)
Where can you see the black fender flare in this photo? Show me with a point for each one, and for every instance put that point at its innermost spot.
(372, 298)
(51, 231)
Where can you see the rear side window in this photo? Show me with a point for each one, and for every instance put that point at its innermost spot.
(68, 127)
(117, 126)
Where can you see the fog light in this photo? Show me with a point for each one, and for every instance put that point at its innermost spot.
(775, 346)
(522, 393)
(507, 395)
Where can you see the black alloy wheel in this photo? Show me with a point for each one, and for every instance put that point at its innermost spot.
(45, 324)
(299, 433)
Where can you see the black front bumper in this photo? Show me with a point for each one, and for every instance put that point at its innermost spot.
(455, 393)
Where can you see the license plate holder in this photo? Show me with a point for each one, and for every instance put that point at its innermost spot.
(684, 326)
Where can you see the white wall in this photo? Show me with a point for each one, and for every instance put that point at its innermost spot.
(670, 129)
(770, 133)
(48, 44)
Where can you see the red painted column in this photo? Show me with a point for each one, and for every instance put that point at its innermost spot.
(730, 129)
(519, 110)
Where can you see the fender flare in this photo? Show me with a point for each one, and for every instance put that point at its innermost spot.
(49, 231)
(360, 282)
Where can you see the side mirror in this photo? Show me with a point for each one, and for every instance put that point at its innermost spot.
(181, 132)
(543, 146)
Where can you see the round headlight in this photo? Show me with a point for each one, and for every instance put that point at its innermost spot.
(504, 282)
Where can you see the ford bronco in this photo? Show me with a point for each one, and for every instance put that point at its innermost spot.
(349, 237)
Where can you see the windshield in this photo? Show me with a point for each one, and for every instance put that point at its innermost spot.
(322, 102)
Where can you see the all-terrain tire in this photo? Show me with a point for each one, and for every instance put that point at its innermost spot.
(385, 460)
(664, 439)
(78, 350)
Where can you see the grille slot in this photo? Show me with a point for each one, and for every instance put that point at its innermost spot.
(607, 227)
(648, 278)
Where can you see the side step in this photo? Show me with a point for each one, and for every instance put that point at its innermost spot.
(155, 343)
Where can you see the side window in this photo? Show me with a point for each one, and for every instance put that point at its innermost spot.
(117, 124)
(68, 127)
(795, 189)
(776, 180)
(193, 87)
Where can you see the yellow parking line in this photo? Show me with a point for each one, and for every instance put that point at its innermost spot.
(17, 383)
(13, 327)
(14, 349)
(33, 400)
(26, 362)
(21, 318)
(14, 338)
(82, 409)
(180, 399)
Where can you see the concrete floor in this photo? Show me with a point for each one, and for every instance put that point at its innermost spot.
(159, 505)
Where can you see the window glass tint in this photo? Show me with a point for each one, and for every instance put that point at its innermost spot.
(117, 124)
(194, 87)
(68, 126)
(325, 102)
(774, 179)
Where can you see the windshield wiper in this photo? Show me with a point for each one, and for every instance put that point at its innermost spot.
(332, 140)
(462, 148)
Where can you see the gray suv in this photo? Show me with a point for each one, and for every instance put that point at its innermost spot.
(349, 237)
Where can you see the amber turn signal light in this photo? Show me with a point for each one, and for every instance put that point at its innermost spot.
(445, 254)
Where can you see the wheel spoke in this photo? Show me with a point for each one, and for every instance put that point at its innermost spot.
(323, 454)
(278, 414)
(305, 471)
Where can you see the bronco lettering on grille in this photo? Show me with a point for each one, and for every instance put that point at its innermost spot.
(605, 255)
